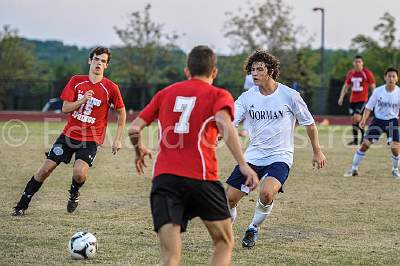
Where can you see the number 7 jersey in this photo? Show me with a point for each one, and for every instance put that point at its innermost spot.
(187, 129)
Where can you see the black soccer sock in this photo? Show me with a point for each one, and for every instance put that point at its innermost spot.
(75, 186)
(362, 132)
(355, 133)
(31, 188)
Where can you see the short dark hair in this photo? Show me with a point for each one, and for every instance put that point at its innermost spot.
(391, 69)
(271, 62)
(201, 61)
(100, 50)
(358, 57)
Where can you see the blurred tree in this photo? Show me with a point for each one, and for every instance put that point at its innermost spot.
(269, 25)
(146, 47)
(266, 25)
(382, 53)
(16, 61)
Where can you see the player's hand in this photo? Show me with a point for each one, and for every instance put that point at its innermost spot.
(116, 146)
(362, 124)
(251, 176)
(340, 102)
(319, 160)
(141, 153)
(88, 95)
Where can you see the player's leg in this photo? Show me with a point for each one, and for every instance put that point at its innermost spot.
(167, 211)
(79, 176)
(58, 153)
(222, 236)
(275, 176)
(395, 147)
(236, 189)
(393, 134)
(354, 125)
(84, 157)
(372, 135)
(268, 190)
(170, 244)
(234, 195)
(33, 186)
(208, 201)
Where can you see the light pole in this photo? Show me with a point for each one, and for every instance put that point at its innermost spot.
(316, 9)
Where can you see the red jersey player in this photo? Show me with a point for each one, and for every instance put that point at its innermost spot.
(87, 99)
(190, 115)
(359, 79)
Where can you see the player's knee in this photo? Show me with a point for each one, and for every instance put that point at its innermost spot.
(79, 175)
(232, 202)
(43, 173)
(267, 197)
(225, 239)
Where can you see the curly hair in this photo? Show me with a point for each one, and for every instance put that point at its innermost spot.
(270, 61)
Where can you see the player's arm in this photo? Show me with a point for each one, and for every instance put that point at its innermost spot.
(343, 93)
(121, 119)
(141, 151)
(231, 138)
(319, 159)
(368, 109)
(72, 106)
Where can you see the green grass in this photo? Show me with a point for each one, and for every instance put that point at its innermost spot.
(322, 218)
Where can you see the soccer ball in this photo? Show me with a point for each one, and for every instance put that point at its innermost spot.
(82, 245)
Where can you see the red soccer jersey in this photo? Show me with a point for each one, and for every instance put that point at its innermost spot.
(188, 134)
(359, 82)
(89, 122)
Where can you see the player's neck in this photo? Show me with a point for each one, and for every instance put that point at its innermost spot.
(269, 87)
(95, 78)
(208, 80)
(390, 87)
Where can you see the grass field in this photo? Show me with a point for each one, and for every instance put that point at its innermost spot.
(322, 218)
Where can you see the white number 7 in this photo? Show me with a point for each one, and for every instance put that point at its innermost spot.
(184, 105)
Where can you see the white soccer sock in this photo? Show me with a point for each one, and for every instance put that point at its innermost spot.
(358, 156)
(261, 213)
(395, 161)
(233, 212)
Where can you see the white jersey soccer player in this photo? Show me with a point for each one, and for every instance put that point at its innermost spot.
(270, 122)
(269, 111)
(385, 101)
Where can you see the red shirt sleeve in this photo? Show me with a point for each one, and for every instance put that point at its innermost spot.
(116, 99)
(370, 77)
(348, 77)
(151, 111)
(224, 100)
(69, 93)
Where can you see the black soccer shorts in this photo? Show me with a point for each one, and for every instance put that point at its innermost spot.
(64, 147)
(175, 199)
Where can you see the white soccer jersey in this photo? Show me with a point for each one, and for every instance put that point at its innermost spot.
(270, 121)
(386, 103)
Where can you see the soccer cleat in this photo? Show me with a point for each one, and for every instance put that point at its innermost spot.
(16, 211)
(72, 201)
(351, 173)
(250, 237)
(396, 174)
(353, 142)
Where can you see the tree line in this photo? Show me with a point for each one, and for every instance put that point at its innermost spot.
(149, 57)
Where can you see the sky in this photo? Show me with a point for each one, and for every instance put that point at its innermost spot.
(87, 23)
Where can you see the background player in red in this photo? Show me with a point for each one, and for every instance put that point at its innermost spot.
(87, 99)
(359, 79)
(190, 115)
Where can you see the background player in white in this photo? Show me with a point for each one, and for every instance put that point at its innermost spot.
(270, 110)
(385, 101)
